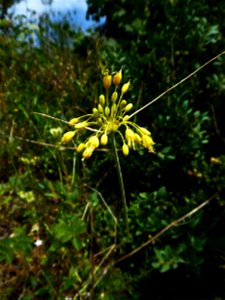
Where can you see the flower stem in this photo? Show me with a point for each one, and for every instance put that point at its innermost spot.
(121, 182)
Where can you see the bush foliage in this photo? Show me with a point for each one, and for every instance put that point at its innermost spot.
(62, 227)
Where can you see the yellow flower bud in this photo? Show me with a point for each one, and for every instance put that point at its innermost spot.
(73, 121)
(104, 139)
(117, 77)
(125, 149)
(128, 107)
(81, 125)
(100, 108)
(137, 138)
(80, 147)
(114, 96)
(126, 118)
(95, 112)
(102, 100)
(123, 103)
(93, 141)
(125, 87)
(144, 131)
(113, 108)
(107, 111)
(129, 134)
(99, 122)
(67, 137)
(215, 160)
(107, 81)
(130, 137)
(87, 152)
(148, 142)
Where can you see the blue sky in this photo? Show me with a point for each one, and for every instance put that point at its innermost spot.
(63, 6)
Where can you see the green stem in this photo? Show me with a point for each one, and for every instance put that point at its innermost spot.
(121, 182)
(74, 169)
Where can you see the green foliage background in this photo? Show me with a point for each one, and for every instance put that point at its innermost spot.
(48, 194)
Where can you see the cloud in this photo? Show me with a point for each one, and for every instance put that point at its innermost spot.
(57, 5)
(62, 6)
(68, 4)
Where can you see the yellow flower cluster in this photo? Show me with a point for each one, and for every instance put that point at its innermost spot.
(109, 116)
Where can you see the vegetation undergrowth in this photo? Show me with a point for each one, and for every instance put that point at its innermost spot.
(109, 115)
(82, 215)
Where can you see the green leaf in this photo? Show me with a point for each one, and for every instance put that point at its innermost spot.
(68, 229)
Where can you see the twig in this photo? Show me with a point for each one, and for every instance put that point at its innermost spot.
(92, 263)
(85, 211)
(172, 224)
(110, 212)
(50, 117)
(216, 124)
(73, 177)
(60, 147)
(97, 270)
(176, 85)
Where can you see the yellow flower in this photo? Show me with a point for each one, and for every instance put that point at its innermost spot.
(67, 137)
(81, 125)
(100, 108)
(129, 135)
(107, 81)
(95, 112)
(132, 138)
(148, 142)
(125, 149)
(102, 100)
(117, 77)
(128, 107)
(109, 116)
(93, 141)
(144, 131)
(137, 138)
(107, 111)
(88, 152)
(80, 147)
(125, 87)
(114, 96)
(104, 139)
(73, 121)
(215, 160)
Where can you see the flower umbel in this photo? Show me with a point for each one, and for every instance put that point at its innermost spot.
(109, 116)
